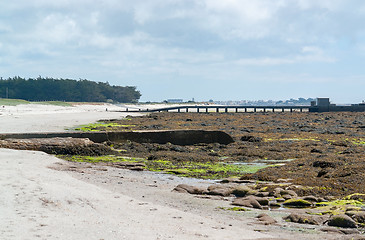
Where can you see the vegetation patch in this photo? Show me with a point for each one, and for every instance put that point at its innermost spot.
(12, 102)
(54, 103)
(99, 159)
(235, 209)
(207, 170)
(104, 127)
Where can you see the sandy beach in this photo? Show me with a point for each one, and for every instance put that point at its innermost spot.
(44, 197)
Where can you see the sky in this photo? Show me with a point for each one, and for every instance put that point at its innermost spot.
(201, 49)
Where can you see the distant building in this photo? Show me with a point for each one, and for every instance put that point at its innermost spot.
(174, 100)
(324, 105)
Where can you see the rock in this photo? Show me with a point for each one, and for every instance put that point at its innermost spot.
(262, 194)
(305, 219)
(356, 196)
(357, 216)
(299, 203)
(280, 200)
(310, 198)
(287, 196)
(59, 146)
(314, 150)
(138, 169)
(289, 192)
(348, 231)
(248, 138)
(241, 191)
(277, 192)
(220, 190)
(274, 204)
(266, 219)
(342, 221)
(324, 164)
(262, 200)
(249, 201)
(184, 188)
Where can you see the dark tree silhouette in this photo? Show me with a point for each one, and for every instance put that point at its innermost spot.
(50, 89)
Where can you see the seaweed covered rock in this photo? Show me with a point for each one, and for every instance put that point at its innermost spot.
(298, 203)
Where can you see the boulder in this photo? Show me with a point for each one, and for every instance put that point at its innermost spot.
(305, 219)
(241, 191)
(262, 194)
(220, 190)
(249, 138)
(249, 201)
(266, 219)
(310, 198)
(299, 203)
(358, 216)
(342, 220)
(184, 188)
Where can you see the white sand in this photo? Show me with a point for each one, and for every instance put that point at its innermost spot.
(38, 202)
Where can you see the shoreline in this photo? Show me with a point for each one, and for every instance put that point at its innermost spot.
(48, 198)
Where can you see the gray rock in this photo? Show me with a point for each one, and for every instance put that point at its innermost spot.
(310, 198)
(342, 220)
(266, 219)
(241, 191)
(305, 219)
(358, 216)
(220, 190)
(249, 201)
(184, 188)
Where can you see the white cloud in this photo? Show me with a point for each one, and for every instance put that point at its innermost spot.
(57, 28)
(200, 40)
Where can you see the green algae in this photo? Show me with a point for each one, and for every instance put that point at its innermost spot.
(203, 170)
(99, 159)
(103, 126)
(234, 209)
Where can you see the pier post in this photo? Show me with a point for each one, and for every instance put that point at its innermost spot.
(217, 110)
(225, 109)
(187, 109)
(206, 109)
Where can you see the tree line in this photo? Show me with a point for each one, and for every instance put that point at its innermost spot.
(50, 89)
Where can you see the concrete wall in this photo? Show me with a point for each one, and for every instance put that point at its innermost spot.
(178, 137)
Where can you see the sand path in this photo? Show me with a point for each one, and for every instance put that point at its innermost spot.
(41, 203)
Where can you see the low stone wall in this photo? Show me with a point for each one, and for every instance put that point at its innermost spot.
(178, 137)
